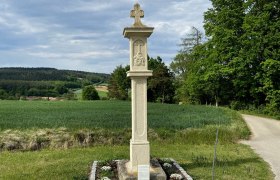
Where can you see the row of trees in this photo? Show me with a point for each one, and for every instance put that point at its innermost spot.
(49, 90)
(15, 89)
(239, 64)
(160, 86)
(44, 82)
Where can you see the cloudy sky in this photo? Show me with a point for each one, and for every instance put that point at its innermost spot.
(87, 34)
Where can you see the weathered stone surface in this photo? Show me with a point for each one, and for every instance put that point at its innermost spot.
(137, 35)
(93, 171)
(156, 172)
(137, 13)
(183, 172)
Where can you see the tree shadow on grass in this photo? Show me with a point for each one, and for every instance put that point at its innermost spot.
(206, 164)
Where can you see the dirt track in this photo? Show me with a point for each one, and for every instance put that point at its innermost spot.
(265, 140)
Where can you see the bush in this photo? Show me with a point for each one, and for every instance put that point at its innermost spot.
(237, 105)
(90, 93)
(3, 94)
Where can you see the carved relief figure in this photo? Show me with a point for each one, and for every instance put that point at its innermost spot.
(138, 59)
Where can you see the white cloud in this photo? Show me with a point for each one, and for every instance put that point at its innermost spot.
(172, 28)
(82, 6)
(76, 55)
(20, 24)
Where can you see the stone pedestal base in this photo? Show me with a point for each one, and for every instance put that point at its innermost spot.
(124, 172)
(139, 154)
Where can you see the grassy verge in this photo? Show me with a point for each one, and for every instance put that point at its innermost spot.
(256, 113)
(235, 161)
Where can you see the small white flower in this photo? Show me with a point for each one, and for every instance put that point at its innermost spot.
(105, 178)
(167, 165)
(176, 176)
(106, 168)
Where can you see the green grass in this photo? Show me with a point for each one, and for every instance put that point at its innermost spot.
(234, 162)
(259, 113)
(102, 94)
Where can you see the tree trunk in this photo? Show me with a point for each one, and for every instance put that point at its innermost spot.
(216, 99)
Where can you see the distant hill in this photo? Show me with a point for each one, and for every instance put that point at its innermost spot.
(16, 83)
(49, 74)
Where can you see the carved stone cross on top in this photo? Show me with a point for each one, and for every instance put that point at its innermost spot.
(137, 14)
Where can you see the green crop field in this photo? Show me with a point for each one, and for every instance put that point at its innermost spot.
(104, 114)
(103, 129)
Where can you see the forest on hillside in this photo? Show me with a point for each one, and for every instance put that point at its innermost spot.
(16, 83)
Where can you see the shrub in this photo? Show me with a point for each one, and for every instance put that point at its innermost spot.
(90, 93)
(237, 105)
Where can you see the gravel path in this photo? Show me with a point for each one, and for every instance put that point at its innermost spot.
(265, 140)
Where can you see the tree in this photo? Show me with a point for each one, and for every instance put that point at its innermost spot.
(188, 43)
(223, 24)
(61, 88)
(239, 63)
(208, 76)
(191, 39)
(90, 93)
(180, 64)
(119, 84)
(161, 84)
(3, 94)
(271, 84)
(260, 49)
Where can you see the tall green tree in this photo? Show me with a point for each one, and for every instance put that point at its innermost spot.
(271, 84)
(161, 85)
(181, 63)
(223, 24)
(209, 76)
(260, 53)
(119, 84)
(240, 61)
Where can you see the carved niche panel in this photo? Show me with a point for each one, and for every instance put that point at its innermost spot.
(139, 54)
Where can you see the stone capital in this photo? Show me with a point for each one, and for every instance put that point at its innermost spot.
(147, 73)
(129, 32)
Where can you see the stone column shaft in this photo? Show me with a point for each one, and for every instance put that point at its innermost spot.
(139, 111)
(137, 35)
(139, 145)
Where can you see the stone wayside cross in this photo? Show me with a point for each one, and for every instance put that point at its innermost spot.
(137, 13)
(137, 35)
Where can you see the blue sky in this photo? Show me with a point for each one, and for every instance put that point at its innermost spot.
(87, 34)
